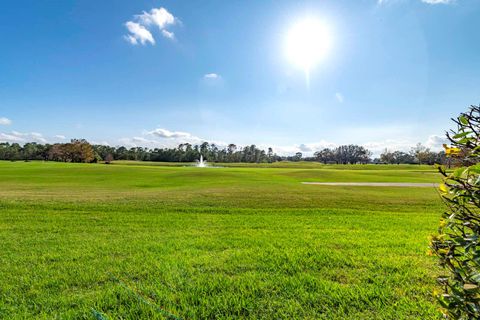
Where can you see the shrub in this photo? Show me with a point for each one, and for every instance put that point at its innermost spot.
(456, 244)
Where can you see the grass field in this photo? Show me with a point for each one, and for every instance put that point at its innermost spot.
(136, 240)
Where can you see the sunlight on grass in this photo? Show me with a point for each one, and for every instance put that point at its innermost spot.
(224, 243)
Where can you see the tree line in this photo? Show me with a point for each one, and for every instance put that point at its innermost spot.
(80, 150)
(417, 155)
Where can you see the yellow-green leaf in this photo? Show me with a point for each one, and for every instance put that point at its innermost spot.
(443, 188)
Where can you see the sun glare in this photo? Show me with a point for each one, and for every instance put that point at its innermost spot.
(307, 43)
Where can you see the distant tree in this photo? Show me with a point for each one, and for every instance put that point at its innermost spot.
(270, 155)
(403, 157)
(15, 152)
(387, 157)
(351, 154)
(325, 155)
(56, 153)
(81, 151)
(121, 153)
(204, 149)
(30, 151)
(78, 150)
(421, 153)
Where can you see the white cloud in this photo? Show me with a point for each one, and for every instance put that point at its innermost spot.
(61, 137)
(168, 34)
(308, 149)
(139, 142)
(131, 39)
(5, 137)
(37, 137)
(159, 17)
(339, 97)
(304, 148)
(211, 76)
(377, 147)
(140, 27)
(212, 80)
(102, 143)
(163, 138)
(435, 142)
(138, 34)
(164, 133)
(20, 137)
(5, 121)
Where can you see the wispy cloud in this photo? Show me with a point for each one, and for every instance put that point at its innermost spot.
(24, 137)
(161, 138)
(5, 137)
(168, 34)
(5, 121)
(307, 149)
(164, 133)
(102, 143)
(140, 27)
(211, 76)
(339, 97)
(212, 80)
(21, 137)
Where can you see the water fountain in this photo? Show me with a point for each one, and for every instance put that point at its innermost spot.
(201, 163)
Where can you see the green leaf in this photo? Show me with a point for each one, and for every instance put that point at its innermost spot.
(461, 135)
(474, 169)
(459, 172)
(476, 277)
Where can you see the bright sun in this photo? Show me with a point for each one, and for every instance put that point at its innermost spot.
(307, 43)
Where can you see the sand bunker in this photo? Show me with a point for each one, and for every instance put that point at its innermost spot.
(376, 184)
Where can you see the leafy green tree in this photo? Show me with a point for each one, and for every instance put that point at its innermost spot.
(298, 156)
(30, 151)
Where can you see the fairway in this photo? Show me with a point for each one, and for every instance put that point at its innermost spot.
(141, 240)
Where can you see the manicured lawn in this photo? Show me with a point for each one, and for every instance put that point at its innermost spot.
(135, 240)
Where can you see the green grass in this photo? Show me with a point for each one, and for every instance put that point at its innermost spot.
(139, 240)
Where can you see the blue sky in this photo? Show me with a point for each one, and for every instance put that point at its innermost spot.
(157, 73)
